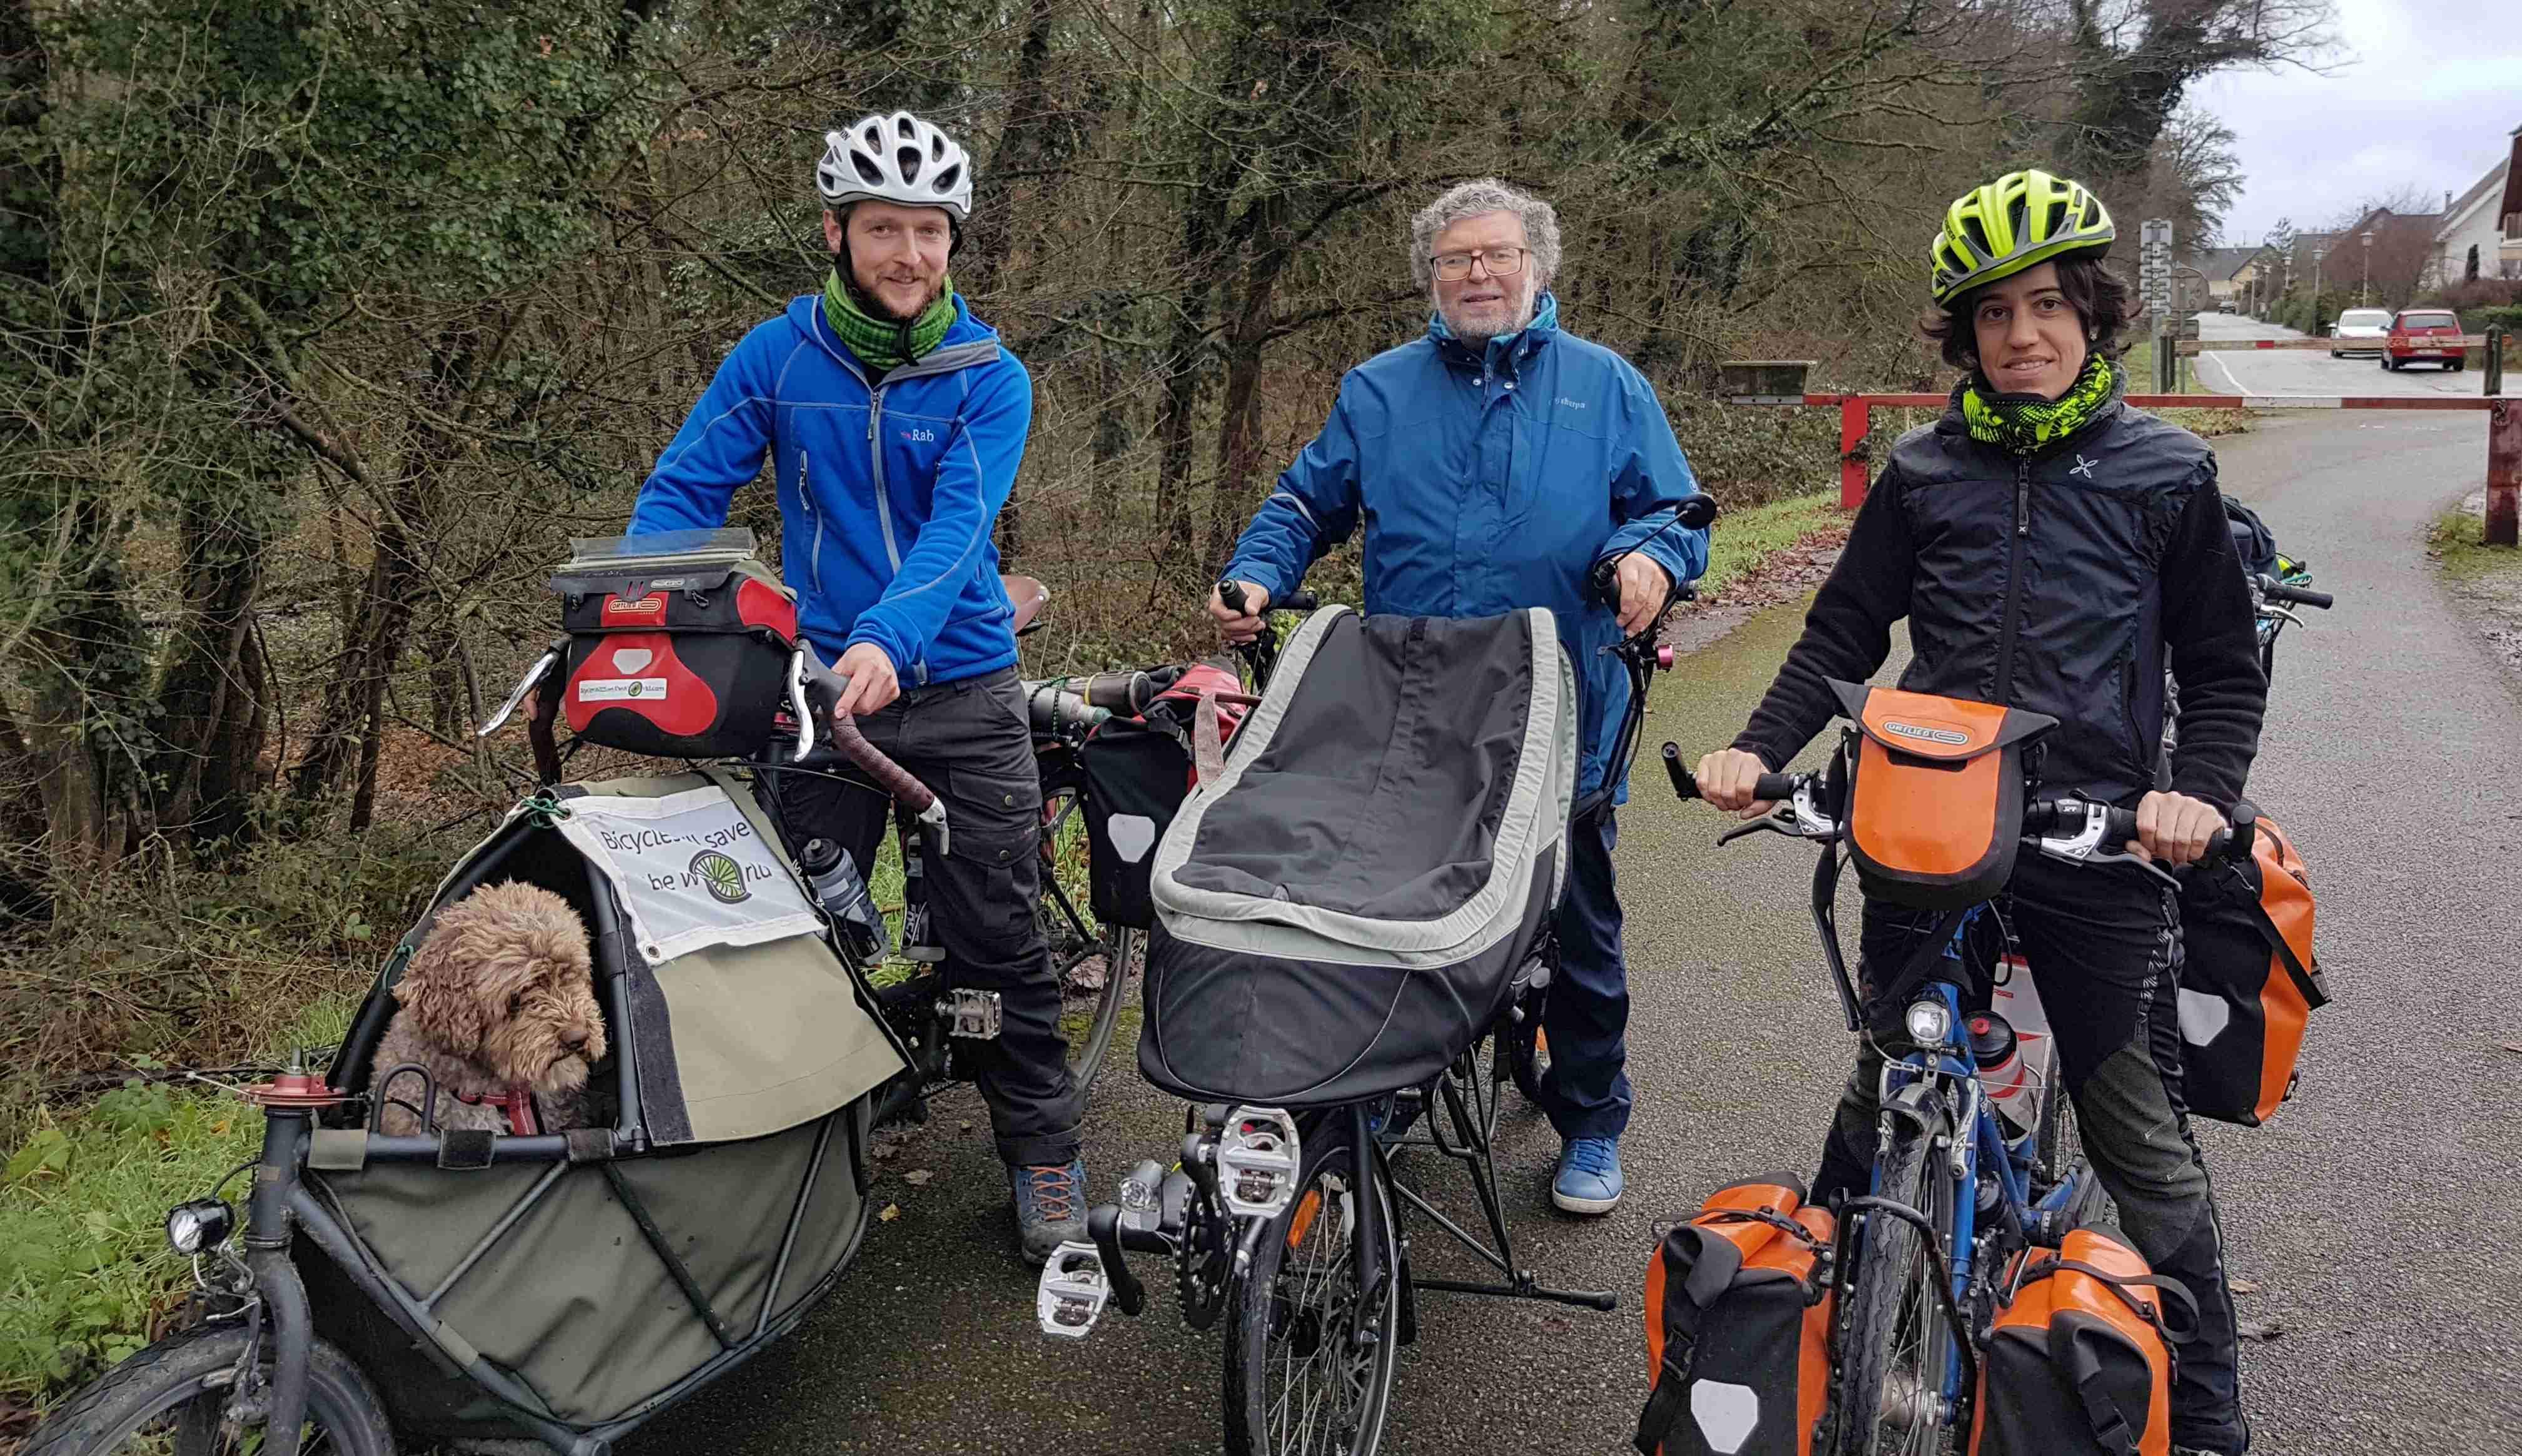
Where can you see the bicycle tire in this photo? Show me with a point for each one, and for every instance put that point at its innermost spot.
(1895, 1324)
(1265, 1320)
(1527, 1056)
(1121, 948)
(185, 1378)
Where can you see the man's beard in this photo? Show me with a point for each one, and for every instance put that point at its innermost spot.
(873, 304)
(1482, 334)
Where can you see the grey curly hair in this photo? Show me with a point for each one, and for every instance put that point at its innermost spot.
(1471, 200)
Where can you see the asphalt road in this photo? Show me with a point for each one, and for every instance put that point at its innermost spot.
(2311, 371)
(2373, 1215)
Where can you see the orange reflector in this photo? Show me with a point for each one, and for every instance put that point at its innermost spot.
(1304, 1216)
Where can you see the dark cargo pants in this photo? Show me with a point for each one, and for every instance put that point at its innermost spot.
(1586, 1015)
(2103, 947)
(969, 742)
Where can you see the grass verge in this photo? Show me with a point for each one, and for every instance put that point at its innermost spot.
(1744, 540)
(2486, 582)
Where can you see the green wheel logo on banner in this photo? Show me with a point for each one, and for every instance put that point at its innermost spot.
(722, 876)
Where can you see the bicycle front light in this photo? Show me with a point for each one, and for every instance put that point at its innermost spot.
(202, 1224)
(1930, 1025)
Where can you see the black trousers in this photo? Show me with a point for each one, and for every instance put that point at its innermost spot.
(969, 742)
(2103, 947)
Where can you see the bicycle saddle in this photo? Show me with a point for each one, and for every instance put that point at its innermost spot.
(1029, 597)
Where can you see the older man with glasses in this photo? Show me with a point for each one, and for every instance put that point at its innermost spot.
(1493, 462)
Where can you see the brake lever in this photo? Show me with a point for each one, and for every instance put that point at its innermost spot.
(2085, 847)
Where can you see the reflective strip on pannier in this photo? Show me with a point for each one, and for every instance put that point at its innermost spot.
(1738, 1325)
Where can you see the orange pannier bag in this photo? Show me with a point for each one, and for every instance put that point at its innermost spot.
(1738, 1325)
(1934, 793)
(2079, 1360)
(2248, 978)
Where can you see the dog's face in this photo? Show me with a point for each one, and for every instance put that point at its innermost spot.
(505, 981)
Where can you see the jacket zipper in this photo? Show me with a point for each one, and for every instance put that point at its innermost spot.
(805, 493)
(2014, 584)
(884, 511)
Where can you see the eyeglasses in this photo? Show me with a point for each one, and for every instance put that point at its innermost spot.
(1501, 262)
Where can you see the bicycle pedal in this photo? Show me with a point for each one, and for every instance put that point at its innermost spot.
(1256, 1162)
(970, 1014)
(1072, 1293)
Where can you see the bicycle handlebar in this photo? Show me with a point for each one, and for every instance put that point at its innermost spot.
(2275, 590)
(823, 691)
(1686, 785)
(1231, 592)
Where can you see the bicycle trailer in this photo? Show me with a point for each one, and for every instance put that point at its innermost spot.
(1342, 913)
(568, 1287)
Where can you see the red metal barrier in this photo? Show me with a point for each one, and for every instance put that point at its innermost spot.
(2503, 434)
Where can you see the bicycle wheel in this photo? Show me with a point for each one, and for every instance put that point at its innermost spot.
(1899, 1342)
(1089, 1026)
(1528, 1054)
(172, 1396)
(2061, 1158)
(1308, 1355)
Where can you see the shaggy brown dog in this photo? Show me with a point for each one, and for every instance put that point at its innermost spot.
(500, 1004)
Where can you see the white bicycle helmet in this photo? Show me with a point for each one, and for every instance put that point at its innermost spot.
(896, 159)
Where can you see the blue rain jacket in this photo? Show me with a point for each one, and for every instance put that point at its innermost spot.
(1489, 480)
(888, 496)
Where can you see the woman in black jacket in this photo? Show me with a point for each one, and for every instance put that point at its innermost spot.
(2052, 548)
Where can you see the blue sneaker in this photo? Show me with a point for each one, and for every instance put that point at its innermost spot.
(1051, 1207)
(1589, 1177)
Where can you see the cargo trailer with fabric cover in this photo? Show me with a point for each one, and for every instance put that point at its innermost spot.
(569, 1286)
(1344, 912)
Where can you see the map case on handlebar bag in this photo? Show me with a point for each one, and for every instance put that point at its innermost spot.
(2247, 980)
(678, 644)
(1934, 793)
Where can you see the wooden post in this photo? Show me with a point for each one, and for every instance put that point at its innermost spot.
(1854, 417)
(2504, 473)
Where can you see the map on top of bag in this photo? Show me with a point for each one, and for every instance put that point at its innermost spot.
(691, 870)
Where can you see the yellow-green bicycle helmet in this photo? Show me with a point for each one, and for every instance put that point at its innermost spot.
(2018, 222)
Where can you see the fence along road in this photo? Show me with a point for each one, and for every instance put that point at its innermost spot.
(2373, 1215)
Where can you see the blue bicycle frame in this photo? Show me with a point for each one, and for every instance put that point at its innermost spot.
(1983, 1149)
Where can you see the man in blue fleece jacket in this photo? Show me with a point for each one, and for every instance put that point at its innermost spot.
(1492, 463)
(894, 422)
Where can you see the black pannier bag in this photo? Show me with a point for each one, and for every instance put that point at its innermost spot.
(2078, 1359)
(2252, 539)
(678, 644)
(1739, 1308)
(1137, 777)
(1342, 913)
(2248, 979)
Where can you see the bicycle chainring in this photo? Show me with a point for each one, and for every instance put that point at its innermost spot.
(1203, 1264)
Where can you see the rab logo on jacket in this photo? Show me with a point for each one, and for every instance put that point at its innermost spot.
(919, 436)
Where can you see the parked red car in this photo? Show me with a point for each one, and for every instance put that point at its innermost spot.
(2413, 332)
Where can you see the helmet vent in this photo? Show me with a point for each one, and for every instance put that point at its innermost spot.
(906, 160)
(946, 181)
(869, 172)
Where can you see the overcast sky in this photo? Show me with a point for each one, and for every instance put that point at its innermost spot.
(2419, 92)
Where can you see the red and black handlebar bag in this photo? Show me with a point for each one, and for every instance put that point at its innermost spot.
(690, 665)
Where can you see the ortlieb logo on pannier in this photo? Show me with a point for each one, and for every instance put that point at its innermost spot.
(690, 666)
(2079, 1359)
(2248, 977)
(1934, 796)
(1738, 1325)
